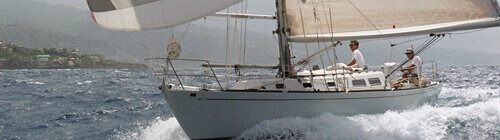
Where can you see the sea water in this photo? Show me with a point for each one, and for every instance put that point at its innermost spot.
(126, 104)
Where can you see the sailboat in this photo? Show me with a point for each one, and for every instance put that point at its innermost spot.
(206, 113)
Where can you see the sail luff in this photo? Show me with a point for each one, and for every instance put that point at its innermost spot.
(349, 19)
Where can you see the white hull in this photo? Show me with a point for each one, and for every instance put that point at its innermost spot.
(223, 114)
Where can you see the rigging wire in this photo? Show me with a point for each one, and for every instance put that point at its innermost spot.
(426, 45)
(334, 51)
(140, 43)
(467, 32)
(330, 28)
(227, 50)
(304, 30)
(316, 19)
(240, 42)
(235, 38)
(205, 38)
(245, 34)
(438, 38)
(410, 41)
(393, 45)
(390, 57)
(317, 32)
(335, 60)
(291, 50)
(189, 24)
(368, 20)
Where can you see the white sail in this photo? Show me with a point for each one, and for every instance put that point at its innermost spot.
(133, 15)
(324, 20)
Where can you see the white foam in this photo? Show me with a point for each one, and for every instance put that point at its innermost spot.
(37, 83)
(85, 82)
(325, 126)
(160, 129)
(480, 120)
(30, 82)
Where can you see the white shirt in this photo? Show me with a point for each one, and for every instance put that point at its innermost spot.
(356, 54)
(418, 65)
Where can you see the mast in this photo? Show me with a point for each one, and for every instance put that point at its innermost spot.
(285, 63)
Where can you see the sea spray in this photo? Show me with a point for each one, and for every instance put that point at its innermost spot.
(480, 120)
(159, 129)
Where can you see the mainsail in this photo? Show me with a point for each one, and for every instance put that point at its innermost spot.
(132, 15)
(332, 20)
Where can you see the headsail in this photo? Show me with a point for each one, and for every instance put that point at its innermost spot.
(315, 20)
(132, 15)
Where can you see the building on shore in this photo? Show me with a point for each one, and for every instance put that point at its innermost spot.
(42, 61)
(75, 52)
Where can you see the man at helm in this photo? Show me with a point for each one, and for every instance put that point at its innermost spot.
(414, 66)
(357, 59)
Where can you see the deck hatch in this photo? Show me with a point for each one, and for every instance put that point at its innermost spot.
(307, 85)
(280, 86)
(359, 83)
(374, 81)
(331, 84)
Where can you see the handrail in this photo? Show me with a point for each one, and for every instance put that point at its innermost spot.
(169, 63)
(214, 75)
(434, 70)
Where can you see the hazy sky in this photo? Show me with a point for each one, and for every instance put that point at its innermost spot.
(79, 4)
(484, 40)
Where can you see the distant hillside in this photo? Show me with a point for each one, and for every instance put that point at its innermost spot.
(13, 56)
(39, 38)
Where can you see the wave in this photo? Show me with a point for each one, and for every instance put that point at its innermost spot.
(85, 82)
(67, 116)
(120, 99)
(456, 97)
(160, 129)
(478, 121)
(29, 82)
(37, 83)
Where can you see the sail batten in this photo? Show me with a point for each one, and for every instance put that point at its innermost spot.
(317, 20)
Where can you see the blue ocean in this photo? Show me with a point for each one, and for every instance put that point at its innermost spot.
(126, 104)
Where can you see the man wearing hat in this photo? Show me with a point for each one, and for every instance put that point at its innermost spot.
(414, 67)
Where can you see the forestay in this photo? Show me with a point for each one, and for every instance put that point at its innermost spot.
(309, 20)
(132, 15)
